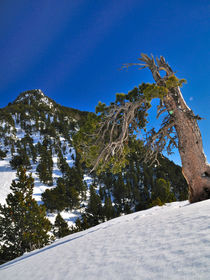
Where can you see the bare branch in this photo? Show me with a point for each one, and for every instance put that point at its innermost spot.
(126, 65)
(115, 129)
(157, 141)
(160, 111)
(163, 65)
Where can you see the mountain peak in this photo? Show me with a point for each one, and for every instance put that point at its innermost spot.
(29, 93)
(36, 95)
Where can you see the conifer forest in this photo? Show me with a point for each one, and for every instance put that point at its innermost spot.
(53, 148)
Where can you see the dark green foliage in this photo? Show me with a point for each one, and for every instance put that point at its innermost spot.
(55, 199)
(121, 194)
(63, 196)
(60, 228)
(45, 166)
(82, 140)
(94, 205)
(93, 140)
(27, 143)
(171, 172)
(137, 186)
(161, 192)
(108, 209)
(94, 210)
(23, 223)
(20, 160)
(12, 149)
(66, 194)
(80, 224)
(156, 202)
(3, 154)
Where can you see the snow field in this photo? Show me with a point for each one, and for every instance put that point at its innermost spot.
(168, 242)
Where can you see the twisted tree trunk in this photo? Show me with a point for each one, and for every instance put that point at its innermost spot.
(195, 168)
(124, 117)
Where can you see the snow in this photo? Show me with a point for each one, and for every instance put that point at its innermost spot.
(8, 174)
(168, 242)
(43, 100)
(6, 177)
(69, 216)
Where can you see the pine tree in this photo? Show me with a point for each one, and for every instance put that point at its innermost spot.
(45, 166)
(161, 192)
(23, 223)
(105, 144)
(121, 194)
(55, 199)
(3, 154)
(12, 149)
(94, 212)
(60, 228)
(108, 209)
(21, 159)
(63, 196)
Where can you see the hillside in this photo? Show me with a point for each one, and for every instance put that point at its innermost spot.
(168, 242)
(39, 134)
(24, 125)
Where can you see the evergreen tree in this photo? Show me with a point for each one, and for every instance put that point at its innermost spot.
(94, 212)
(121, 195)
(161, 192)
(45, 166)
(55, 199)
(21, 159)
(60, 228)
(106, 143)
(3, 154)
(63, 196)
(80, 224)
(171, 172)
(12, 149)
(23, 223)
(108, 209)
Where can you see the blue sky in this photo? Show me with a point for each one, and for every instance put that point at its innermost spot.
(73, 49)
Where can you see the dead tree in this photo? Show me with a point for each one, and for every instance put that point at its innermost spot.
(179, 127)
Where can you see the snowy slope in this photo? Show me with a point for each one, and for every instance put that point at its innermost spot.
(17, 133)
(169, 242)
(7, 174)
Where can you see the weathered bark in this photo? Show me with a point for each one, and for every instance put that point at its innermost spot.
(195, 168)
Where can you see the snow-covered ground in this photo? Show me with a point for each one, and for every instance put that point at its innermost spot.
(6, 177)
(7, 174)
(168, 242)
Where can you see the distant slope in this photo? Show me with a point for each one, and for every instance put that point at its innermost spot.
(169, 242)
(25, 124)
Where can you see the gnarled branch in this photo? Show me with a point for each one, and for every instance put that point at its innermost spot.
(118, 122)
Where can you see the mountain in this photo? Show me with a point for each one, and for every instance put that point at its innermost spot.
(39, 134)
(168, 242)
